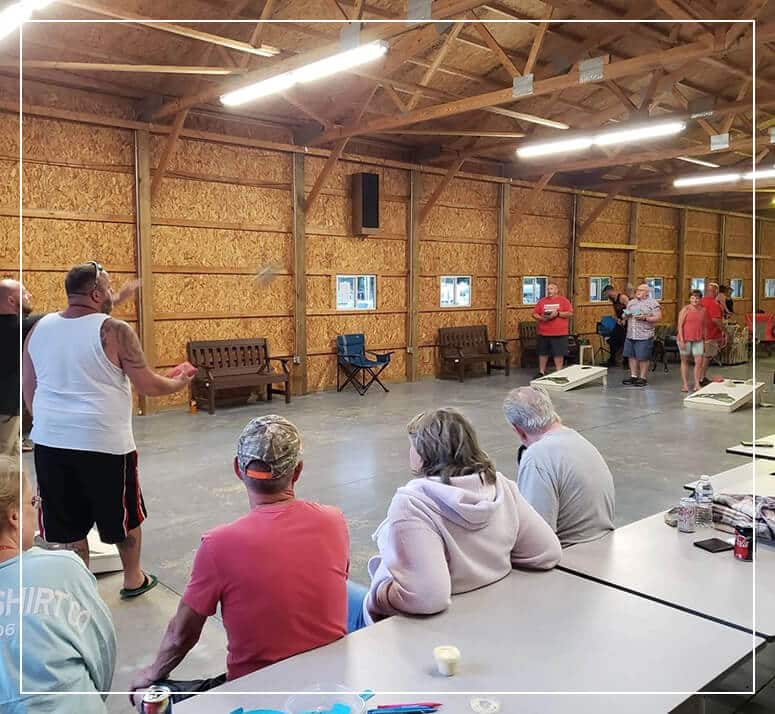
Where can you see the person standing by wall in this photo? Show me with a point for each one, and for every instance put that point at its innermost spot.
(692, 329)
(552, 313)
(14, 305)
(642, 313)
(616, 340)
(715, 331)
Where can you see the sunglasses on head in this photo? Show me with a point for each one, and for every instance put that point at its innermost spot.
(97, 270)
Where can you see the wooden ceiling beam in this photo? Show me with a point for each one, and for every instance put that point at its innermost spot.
(387, 87)
(457, 132)
(538, 40)
(492, 43)
(749, 12)
(434, 197)
(614, 71)
(619, 93)
(442, 9)
(437, 60)
(133, 68)
(258, 31)
(614, 190)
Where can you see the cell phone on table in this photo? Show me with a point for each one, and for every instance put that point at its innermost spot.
(714, 545)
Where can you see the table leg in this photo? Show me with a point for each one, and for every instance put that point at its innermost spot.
(605, 380)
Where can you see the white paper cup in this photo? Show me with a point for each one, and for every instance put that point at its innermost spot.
(447, 659)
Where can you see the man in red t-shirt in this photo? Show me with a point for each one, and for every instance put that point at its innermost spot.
(279, 573)
(552, 313)
(716, 336)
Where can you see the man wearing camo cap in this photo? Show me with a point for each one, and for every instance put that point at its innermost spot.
(279, 572)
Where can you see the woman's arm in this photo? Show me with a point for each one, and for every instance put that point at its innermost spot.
(537, 545)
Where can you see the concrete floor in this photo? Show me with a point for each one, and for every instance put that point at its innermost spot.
(355, 454)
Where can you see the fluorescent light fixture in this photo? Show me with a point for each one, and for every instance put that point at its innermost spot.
(705, 179)
(698, 162)
(648, 131)
(308, 73)
(763, 174)
(553, 147)
(14, 15)
(619, 135)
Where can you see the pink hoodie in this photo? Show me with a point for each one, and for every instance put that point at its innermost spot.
(439, 540)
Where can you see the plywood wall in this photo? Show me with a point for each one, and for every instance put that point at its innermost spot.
(765, 264)
(459, 237)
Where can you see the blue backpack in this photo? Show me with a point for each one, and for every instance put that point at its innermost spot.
(606, 326)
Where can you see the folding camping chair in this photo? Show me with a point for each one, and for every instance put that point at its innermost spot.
(352, 360)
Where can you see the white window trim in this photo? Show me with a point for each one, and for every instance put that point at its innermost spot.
(661, 285)
(742, 288)
(454, 292)
(533, 277)
(354, 277)
(772, 281)
(605, 280)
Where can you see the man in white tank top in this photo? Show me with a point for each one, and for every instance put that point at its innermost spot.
(77, 369)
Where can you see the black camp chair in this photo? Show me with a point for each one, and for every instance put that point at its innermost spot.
(359, 369)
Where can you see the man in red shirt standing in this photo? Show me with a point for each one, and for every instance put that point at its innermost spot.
(552, 313)
(279, 572)
(715, 335)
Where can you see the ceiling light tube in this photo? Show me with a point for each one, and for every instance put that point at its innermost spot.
(762, 174)
(14, 15)
(308, 73)
(554, 147)
(698, 162)
(704, 180)
(638, 133)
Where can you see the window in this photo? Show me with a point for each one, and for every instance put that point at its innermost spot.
(533, 289)
(736, 287)
(698, 284)
(455, 291)
(769, 287)
(656, 287)
(596, 286)
(356, 292)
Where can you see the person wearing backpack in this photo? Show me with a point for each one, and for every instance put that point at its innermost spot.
(618, 330)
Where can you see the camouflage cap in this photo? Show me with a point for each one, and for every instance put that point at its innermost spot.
(273, 440)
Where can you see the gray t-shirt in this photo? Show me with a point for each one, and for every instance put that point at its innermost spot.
(567, 481)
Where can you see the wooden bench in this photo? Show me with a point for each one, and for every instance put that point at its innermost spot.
(459, 346)
(229, 364)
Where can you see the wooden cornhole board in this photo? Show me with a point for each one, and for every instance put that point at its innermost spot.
(103, 557)
(736, 393)
(576, 374)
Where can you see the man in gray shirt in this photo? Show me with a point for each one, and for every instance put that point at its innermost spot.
(560, 473)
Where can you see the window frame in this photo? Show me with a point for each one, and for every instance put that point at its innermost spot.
(603, 282)
(534, 278)
(455, 297)
(653, 288)
(732, 292)
(771, 281)
(692, 286)
(353, 305)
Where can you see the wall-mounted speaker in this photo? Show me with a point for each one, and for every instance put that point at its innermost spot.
(365, 193)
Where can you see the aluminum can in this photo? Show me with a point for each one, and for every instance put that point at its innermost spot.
(743, 543)
(687, 515)
(157, 700)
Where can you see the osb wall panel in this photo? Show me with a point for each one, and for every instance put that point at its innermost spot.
(223, 203)
(702, 241)
(332, 215)
(656, 265)
(321, 298)
(76, 100)
(698, 266)
(739, 226)
(615, 212)
(60, 188)
(173, 335)
(385, 331)
(547, 203)
(329, 255)
(237, 163)
(48, 243)
(218, 249)
(392, 182)
(321, 371)
(603, 232)
(56, 141)
(221, 294)
(740, 243)
(658, 238)
(483, 292)
(447, 258)
(526, 229)
(739, 268)
(659, 216)
(597, 262)
(587, 317)
(461, 223)
(461, 192)
(233, 126)
(703, 221)
(548, 261)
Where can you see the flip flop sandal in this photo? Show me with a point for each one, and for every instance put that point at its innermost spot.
(151, 581)
(685, 391)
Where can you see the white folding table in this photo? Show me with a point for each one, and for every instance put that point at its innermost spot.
(762, 451)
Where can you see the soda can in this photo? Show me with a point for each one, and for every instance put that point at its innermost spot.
(743, 543)
(157, 700)
(687, 515)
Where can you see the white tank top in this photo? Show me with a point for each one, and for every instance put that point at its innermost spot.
(82, 400)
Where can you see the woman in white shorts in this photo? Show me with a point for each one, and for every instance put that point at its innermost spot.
(691, 339)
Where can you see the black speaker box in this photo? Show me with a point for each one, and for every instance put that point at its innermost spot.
(365, 192)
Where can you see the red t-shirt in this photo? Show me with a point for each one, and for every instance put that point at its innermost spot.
(713, 311)
(694, 325)
(280, 575)
(558, 326)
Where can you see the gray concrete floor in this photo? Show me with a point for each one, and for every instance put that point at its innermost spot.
(355, 455)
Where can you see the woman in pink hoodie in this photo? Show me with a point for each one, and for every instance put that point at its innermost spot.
(458, 526)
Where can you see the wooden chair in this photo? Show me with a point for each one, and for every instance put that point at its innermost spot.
(528, 344)
(226, 364)
(459, 346)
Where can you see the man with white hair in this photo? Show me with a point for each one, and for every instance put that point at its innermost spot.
(560, 473)
(642, 314)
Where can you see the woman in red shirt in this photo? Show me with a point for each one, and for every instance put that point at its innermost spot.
(692, 333)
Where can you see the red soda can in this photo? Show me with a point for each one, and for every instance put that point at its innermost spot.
(157, 700)
(743, 543)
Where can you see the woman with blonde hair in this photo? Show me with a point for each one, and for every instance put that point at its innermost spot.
(69, 642)
(458, 526)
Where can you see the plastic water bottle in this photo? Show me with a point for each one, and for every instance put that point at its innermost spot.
(703, 493)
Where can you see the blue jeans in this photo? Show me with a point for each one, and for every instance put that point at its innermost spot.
(355, 596)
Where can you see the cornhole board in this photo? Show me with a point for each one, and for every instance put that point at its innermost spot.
(576, 376)
(762, 451)
(103, 557)
(730, 395)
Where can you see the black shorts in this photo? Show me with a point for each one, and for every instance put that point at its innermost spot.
(81, 488)
(553, 346)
